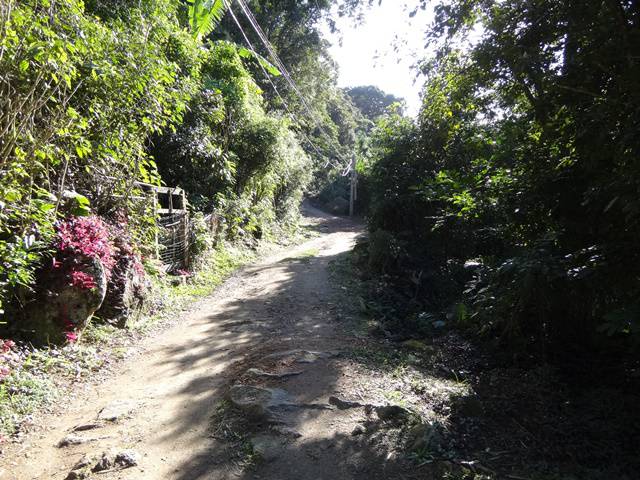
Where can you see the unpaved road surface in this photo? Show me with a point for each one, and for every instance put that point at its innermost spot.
(276, 317)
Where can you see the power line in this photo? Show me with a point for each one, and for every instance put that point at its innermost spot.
(265, 40)
(278, 62)
(276, 59)
(268, 78)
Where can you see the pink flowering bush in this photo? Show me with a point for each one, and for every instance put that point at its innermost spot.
(86, 237)
(95, 269)
(78, 242)
(82, 280)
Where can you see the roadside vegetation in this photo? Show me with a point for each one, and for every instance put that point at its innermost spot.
(508, 206)
(501, 226)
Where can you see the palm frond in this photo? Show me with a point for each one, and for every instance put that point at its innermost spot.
(204, 16)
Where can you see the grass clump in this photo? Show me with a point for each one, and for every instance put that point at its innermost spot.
(21, 393)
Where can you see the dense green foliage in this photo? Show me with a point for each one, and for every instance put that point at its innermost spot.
(372, 101)
(230, 155)
(80, 95)
(327, 116)
(92, 91)
(512, 203)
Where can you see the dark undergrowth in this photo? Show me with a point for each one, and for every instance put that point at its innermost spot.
(522, 417)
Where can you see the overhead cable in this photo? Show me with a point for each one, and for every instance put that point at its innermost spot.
(280, 65)
(268, 78)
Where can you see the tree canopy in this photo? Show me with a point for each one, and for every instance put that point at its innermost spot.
(523, 161)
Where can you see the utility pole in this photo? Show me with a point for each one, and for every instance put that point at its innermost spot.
(353, 195)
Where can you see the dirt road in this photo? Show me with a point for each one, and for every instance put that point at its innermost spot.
(272, 325)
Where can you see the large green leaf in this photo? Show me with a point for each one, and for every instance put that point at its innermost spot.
(204, 16)
(269, 67)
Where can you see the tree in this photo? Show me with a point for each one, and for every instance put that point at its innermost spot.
(371, 100)
(525, 161)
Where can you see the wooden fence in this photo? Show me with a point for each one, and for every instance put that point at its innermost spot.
(175, 234)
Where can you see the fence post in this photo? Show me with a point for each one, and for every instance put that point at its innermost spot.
(156, 215)
(187, 238)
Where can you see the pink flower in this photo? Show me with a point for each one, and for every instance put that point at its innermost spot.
(71, 336)
(82, 280)
(89, 237)
(4, 372)
(6, 345)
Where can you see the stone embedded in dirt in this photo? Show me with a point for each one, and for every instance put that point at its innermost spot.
(116, 410)
(126, 458)
(85, 461)
(72, 439)
(87, 426)
(344, 404)
(112, 459)
(77, 475)
(426, 437)
(107, 461)
(261, 373)
(258, 402)
(358, 430)
(391, 412)
(267, 447)
(312, 357)
(267, 404)
(81, 470)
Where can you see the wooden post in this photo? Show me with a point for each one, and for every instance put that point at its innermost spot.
(186, 231)
(156, 217)
(353, 194)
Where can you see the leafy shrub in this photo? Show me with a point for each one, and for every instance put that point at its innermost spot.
(79, 97)
(522, 159)
(230, 155)
(383, 251)
(202, 239)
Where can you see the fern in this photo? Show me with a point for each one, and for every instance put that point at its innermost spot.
(204, 16)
